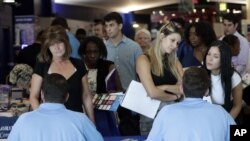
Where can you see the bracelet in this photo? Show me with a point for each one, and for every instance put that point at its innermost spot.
(178, 99)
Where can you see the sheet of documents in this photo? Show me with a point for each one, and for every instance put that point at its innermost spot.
(137, 100)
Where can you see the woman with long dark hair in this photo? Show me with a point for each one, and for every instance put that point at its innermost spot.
(199, 36)
(226, 87)
(93, 52)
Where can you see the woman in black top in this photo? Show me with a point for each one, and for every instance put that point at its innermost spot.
(160, 71)
(54, 58)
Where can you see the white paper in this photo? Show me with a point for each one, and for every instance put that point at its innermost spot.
(6, 114)
(137, 100)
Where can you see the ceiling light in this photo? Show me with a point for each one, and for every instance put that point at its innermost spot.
(220, 19)
(194, 10)
(136, 25)
(236, 11)
(222, 6)
(129, 8)
(9, 1)
(161, 13)
(203, 10)
(197, 20)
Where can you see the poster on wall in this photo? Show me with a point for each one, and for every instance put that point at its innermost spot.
(25, 30)
(248, 32)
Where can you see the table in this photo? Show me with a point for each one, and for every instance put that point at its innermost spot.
(126, 138)
(8, 118)
(6, 124)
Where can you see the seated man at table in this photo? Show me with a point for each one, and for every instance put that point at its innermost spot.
(193, 118)
(52, 121)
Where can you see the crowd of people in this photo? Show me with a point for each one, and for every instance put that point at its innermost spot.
(186, 63)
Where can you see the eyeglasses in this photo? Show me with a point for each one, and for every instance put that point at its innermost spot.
(169, 28)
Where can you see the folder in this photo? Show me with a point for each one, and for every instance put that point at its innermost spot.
(110, 80)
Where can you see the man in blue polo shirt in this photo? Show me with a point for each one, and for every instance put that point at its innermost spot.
(52, 121)
(123, 52)
(193, 119)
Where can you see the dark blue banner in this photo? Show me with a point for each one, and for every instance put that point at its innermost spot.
(6, 124)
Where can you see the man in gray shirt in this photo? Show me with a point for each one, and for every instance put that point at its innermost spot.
(123, 52)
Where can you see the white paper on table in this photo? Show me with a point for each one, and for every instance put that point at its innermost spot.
(137, 100)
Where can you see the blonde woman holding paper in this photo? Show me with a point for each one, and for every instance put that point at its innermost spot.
(160, 71)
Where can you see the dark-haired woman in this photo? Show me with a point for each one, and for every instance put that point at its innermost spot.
(54, 57)
(199, 36)
(93, 52)
(226, 82)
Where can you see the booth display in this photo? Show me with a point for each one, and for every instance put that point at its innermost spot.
(12, 104)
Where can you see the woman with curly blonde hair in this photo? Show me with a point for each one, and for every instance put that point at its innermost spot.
(143, 38)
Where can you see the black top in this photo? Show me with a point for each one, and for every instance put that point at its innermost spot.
(28, 55)
(167, 79)
(75, 82)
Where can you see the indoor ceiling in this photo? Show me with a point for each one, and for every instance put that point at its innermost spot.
(119, 5)
(133, 5)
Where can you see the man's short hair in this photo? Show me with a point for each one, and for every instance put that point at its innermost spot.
(231, 17)
(195, 82)
(113, 16)
(98, 21)
(55, 88)
(81, 31)
(60, 21)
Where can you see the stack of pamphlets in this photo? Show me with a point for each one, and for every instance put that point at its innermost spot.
(109, 102)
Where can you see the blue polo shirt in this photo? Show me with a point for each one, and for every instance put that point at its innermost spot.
(124, 55)
(53, 122)
(75, 44)
(191, 120)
